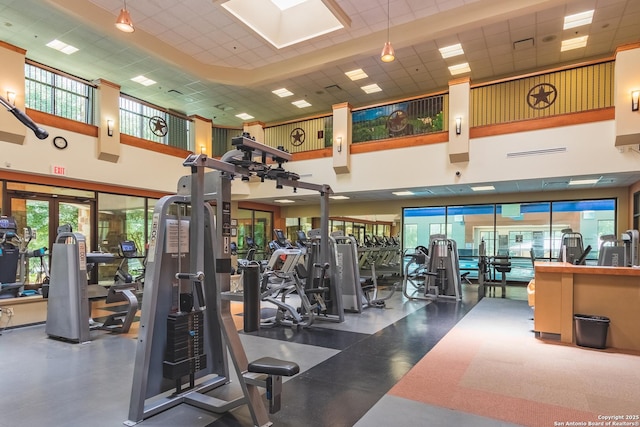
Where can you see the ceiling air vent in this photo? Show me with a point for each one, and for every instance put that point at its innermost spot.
(523, 44)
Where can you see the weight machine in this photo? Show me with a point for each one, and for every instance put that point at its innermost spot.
(187, 329)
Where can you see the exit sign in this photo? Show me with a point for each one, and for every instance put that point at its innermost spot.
(58, 170)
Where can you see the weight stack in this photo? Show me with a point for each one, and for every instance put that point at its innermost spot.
(184, 353)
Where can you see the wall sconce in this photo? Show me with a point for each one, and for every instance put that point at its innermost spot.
(110, 127)
(634, 100)
(458, 125)
(339, 141)
(203, 149)
(11, 98)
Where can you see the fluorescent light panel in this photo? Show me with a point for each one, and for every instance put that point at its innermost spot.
(584, 181)
(450, 51)
(403, 193)
(301, 103)
(373, 88)
(578, 19)
(459, 69)
(484, 188)
(575, 43)
(284, 201)
(339, 197)
(356, 74)
(244, 116)
(282, 93)
(143, 81)
(289, 23)
(62, 47)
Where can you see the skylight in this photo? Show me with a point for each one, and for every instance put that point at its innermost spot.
(290, 21)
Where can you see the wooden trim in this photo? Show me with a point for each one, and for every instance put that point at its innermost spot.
(103, 82)
(565, 267)
(255, 123)
(153, 146)
(313, 154)
(341, 105)
(204, 119)
(13, 48)
(79, 185)
(359, 221)
(404, 142)
(255, 206)
(544, 123)
(628, 46)
(460, 81)
(59, 72)
(539, 73)
(62, 123)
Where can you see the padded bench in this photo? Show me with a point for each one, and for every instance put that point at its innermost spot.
(274, 369)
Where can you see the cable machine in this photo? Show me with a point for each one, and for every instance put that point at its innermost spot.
(187, 329)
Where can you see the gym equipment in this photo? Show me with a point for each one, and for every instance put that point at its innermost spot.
(70, 295)
(444, 262)
(416, 270)
(68, 300)
(26, 120)
(571, 247)
(9, 258)
(621, 252)
(204, 332)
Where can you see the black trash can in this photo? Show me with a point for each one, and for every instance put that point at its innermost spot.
(591, 331)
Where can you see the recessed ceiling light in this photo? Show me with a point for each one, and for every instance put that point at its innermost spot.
(578, 19)
(373, 88)
(62, 47)
(301, 103)
(459, 69)
(453, 50)
(284, 201)
(484, 188)
(143, 81)
(339, 197)
(356, 74)
(282, 93)
(402, 193)
(244, 116)
(575, 43)
(584, 181)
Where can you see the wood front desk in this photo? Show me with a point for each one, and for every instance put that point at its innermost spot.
(562, 290)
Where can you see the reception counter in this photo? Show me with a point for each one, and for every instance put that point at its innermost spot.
(562, 290)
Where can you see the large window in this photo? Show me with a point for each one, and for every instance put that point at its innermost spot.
(256, 225)
(58, 94)
(518, 230)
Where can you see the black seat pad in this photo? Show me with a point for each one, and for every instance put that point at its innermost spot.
(273, 366)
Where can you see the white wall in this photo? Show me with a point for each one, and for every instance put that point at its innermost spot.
(589, 147)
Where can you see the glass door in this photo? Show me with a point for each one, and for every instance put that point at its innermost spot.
(42, 215)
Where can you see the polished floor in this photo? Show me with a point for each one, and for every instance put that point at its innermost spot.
(346, 371)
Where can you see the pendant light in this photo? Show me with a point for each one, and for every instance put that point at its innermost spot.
(124, 22)
(388, 54)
